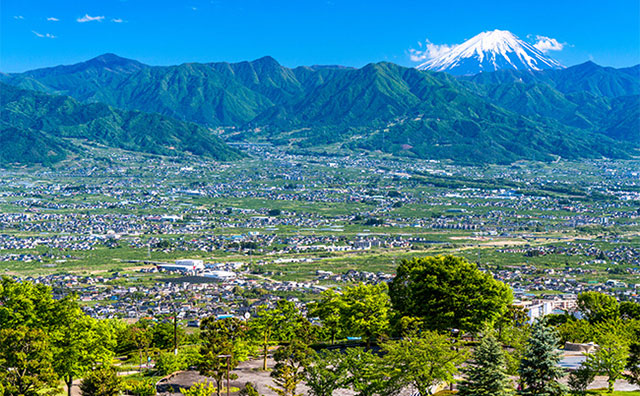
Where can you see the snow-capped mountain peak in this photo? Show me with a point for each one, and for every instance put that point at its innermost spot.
(491, 51)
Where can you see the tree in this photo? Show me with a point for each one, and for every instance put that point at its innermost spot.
(289, 370)
(80, 344)
(27, 304)
(327, 309)
(364, 311)
(102, 382)
(367, 374)
(610, 358)
(26, 363)
(629, 310)
(162, 335)
(75, 341)
(598, 307)
(325, 372)
(223, 346)
(539, 370)
(513, 332)
(574, 330)
(423, 360)
(141, 337)
(280, 323)
(633, 364)
(448, 291)
(487, 374)
(580, 379)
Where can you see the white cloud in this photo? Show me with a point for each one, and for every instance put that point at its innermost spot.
(545, 44)
(52, 19)
(428, 50)
(117, 20)
(89, 18)
(18, 17)
(43, 35)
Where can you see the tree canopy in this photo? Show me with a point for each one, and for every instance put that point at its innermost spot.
(449, 292)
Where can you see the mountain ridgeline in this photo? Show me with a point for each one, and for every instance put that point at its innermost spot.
(40, 128)
(585, 111)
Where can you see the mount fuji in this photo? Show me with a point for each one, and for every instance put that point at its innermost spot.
(490, 51)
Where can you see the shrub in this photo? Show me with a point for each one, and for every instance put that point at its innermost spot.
(142, 388)
(101, 382)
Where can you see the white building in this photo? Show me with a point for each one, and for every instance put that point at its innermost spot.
(186, 265)
(536, 311)
(220, 275)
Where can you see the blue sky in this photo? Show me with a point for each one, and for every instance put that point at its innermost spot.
(38, 33)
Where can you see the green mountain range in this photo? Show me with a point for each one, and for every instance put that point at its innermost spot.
(39, 128)
(585, 111)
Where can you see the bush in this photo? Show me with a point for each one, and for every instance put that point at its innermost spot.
(167, 363)
(580, 379)
(199, 389)
(249, 390)
(142, 388)
(101, 382)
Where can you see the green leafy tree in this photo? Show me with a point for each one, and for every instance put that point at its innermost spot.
(539, 369)
(633, 364)
(580, 379)
(80, 345)
(573, 330)
(629, 310)
(102, 382)
(598, 307)
(515, 337)
(513, 331)
(487, 374)
(168, 362)
(26, 363)
(327, 309)
(27, 304)
(367, 374)
(289, 370)
(423, 360)
(162, 335)
(610, 358)
(141, 337)
(364, 311)
(449, 292)
(226, 337)
(281, 323)
(325, 372)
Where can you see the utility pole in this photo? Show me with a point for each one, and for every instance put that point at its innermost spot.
(175, 332)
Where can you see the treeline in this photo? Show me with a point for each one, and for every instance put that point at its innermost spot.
(439, 320)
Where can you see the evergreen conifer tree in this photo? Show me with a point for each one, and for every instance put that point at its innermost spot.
(539, 370)
(487, 374)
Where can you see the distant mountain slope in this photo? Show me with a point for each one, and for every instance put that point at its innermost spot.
(26, 146)
(212, 94)
(488, 52)
(587, 96)
(50, 119)
(586, 77)
(491, 117)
